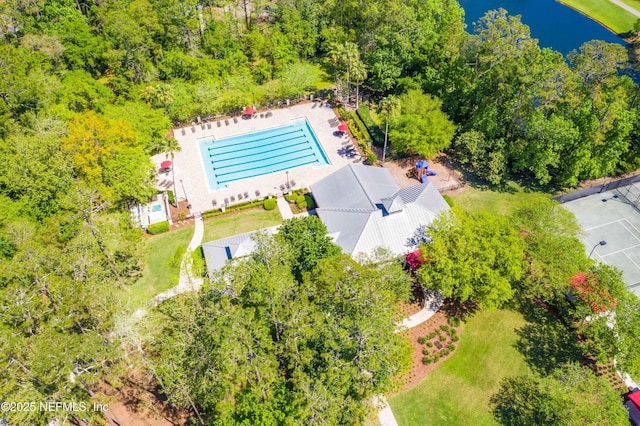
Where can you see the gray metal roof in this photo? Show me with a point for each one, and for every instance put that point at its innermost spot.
(218, 252)
(347, 202)
(346, 225)
(426, 195)
(355, 186)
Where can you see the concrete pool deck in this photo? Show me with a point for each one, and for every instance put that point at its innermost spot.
(190, 172)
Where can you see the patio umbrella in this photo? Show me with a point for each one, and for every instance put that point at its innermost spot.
(343, 127)
(165, 164)
(249, 111)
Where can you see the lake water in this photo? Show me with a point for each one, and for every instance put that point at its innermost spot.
(553, 24)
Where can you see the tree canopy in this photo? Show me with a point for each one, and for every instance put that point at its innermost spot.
(259, 345)
(421, 127)
(473, 258)
(572, 395)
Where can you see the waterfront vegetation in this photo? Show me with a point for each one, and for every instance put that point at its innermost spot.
(608, 14)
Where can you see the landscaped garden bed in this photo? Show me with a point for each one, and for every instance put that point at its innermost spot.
(300, 201)
(433, 342)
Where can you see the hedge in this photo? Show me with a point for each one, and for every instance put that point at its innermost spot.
(360, 133)
(158, 228)
(376, 134)
(270, 203)
(234, 208)
(172, 197)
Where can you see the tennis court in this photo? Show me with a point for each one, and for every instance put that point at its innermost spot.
(613, 217)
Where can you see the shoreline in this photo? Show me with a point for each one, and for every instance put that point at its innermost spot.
(592, 18)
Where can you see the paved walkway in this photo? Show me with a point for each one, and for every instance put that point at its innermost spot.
(187, 281)
(432, 303)
(285, 210)
(626, 7)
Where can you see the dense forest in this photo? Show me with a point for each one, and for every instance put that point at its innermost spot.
(89, 91)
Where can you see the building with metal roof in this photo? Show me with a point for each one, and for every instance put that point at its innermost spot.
(364, 208)
(217, 253)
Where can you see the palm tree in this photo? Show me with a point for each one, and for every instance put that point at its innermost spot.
(389, 104)
(336, 52)
(359, 73)
(351, 56)
(170, 147)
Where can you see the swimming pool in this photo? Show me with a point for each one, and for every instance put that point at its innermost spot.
(255, 154)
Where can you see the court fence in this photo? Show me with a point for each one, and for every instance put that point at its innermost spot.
(630, 193)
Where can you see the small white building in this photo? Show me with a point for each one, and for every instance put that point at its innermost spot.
(155, 211)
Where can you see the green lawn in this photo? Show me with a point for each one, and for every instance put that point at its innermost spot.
(458, 391)
(474, 199)
(163, 266)
(238, 223)
(605, 12)
(633, 3)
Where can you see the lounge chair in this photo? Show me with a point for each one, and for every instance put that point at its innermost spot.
(282, 187)
(214, 203)
(208, 125)
(193, 129)
(261, 115)
(235, 119)
(246, 195)
(184, 132)
(226, 201)
(293, 182)
(257, 192)
(226, 122)
(218, 123)
(239, 196)
(233, 199)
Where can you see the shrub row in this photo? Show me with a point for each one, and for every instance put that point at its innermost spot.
(158, 228)
(360, 133)
(377, 136)
(234, 208)
(171, 196)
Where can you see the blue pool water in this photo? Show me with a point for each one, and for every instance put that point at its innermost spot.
(255, 154)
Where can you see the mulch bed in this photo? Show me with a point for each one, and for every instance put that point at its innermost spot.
(179, 215)
(419, 370)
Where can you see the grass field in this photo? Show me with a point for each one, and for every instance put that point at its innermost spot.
(163, 267)
(164, 251)
(474, 199)
(613, 17)
(458, 391)
(238, 223)
(633, 3)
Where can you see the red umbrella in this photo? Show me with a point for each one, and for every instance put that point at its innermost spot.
(249, 111)
(165, 164)
(343, 127)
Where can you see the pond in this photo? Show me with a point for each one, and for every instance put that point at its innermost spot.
(553, 24)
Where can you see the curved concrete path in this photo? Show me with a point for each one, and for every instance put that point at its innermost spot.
(187, 281)
(432, 303)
